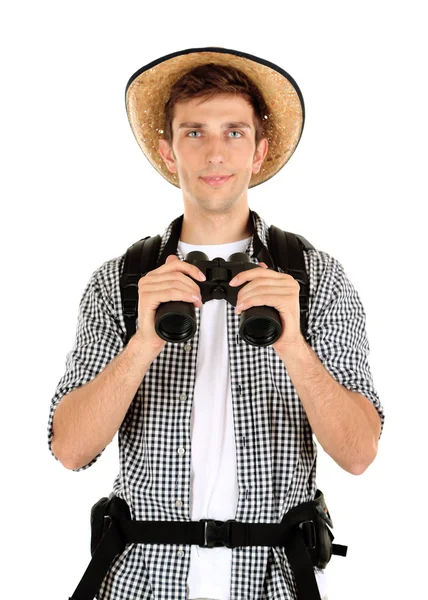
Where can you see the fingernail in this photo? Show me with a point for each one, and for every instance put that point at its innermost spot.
(201, 276)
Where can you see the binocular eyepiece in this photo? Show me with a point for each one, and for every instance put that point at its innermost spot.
(175, 321)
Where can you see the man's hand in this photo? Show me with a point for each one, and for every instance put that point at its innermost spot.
(267, 287)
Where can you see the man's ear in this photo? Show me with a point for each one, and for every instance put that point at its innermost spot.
(167, 154)
(260, 155)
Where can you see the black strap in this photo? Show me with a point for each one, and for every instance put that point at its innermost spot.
(112, 544)
(194, 532)
(339, 550)
(121, 532)
(139, 260)
(287, 252)
(290, 533)
(301, 565)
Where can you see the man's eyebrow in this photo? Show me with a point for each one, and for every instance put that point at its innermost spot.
(238, 125)
(231, 125)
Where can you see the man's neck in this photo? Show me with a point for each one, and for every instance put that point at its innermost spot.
(220, 229)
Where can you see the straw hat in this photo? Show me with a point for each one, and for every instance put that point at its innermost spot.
(148, 90)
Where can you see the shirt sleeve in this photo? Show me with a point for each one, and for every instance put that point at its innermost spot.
(337, 328)
(98, 340)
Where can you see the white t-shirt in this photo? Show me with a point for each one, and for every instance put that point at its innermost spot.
(214, 484)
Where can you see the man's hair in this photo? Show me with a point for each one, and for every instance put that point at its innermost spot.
(207, 81)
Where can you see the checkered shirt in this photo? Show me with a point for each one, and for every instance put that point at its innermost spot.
(275, 450)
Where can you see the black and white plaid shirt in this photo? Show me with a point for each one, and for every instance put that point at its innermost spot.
(276, 466)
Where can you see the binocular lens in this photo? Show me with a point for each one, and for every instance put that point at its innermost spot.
(261, 332)
(176, 328)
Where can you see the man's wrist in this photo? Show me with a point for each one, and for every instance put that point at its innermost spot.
(290, 349)
(143, 348)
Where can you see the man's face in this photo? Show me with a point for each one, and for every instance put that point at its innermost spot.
(214, 138)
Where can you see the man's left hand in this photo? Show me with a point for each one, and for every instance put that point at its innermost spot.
(267, 287)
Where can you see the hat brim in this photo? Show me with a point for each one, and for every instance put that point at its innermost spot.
(148, 90)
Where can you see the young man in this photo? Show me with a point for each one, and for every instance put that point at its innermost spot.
(214, 427)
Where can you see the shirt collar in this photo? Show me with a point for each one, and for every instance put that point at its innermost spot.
(257, 248)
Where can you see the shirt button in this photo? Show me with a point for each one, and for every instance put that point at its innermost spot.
(188, 347)
(178, 503)
(181, 451)
(183, 396)
(180, 554)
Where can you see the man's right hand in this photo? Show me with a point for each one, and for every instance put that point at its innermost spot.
(170, 282)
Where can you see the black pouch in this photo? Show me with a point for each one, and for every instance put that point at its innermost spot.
(321, 553)
(101, 514)
(98, 512)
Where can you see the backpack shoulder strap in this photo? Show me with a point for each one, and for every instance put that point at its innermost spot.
(286, 249)
(140, 258)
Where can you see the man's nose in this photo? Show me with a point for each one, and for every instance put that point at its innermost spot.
(216, 150)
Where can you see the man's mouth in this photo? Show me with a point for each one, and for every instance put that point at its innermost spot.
(216, 181)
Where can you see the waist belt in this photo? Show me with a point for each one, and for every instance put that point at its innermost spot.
(303, 532)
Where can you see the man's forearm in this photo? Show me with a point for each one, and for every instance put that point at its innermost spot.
(87, 419)
(342, 424)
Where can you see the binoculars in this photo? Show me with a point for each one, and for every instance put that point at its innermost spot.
(175, 321)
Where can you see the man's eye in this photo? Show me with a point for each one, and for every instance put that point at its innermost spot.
(190, 132)
(238, 132)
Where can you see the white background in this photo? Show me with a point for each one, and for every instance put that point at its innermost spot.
(77, 191)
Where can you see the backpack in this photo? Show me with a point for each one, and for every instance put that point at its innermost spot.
(285, 255)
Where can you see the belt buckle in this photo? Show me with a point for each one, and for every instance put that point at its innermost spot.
(216, 533)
